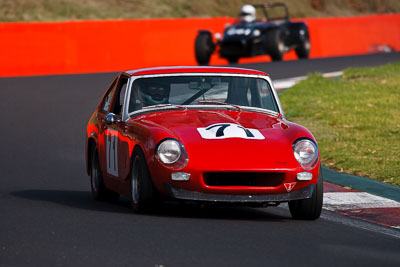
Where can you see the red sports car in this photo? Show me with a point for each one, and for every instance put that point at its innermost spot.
(206, 134)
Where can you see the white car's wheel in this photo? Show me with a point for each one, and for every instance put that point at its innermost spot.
(304, 47)
(275, 45)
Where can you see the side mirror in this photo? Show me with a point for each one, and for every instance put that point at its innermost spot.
(110, 118)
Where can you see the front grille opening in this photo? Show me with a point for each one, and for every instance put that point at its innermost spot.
(260, 179)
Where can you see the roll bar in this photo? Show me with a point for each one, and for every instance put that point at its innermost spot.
(267, 6)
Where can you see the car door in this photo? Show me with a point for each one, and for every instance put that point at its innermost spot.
(116, 147)
(104, 108)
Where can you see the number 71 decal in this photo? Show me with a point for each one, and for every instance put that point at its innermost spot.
(112, 151)
(229, 130)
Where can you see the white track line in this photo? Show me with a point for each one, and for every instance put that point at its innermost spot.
(287, 83)
(356, 200)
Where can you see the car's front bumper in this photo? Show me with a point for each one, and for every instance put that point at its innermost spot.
(179, 193)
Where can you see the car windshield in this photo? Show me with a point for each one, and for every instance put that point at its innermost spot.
(201, 90)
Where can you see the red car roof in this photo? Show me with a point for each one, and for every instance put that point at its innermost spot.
(192, 69)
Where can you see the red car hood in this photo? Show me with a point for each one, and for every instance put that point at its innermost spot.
(248, 140)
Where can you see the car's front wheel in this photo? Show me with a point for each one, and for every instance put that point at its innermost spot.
(204, 47)
(143, 195)
(309, 209)
(99, 190)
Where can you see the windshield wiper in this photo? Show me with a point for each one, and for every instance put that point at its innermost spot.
(217, 103)
(164, 105)
(263, 110)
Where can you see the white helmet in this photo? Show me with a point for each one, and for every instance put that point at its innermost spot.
(153, 92)
(247, 13)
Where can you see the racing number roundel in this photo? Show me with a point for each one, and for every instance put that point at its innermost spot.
(112, 151)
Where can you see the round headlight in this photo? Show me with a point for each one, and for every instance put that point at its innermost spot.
(169, 151)
(306, 153)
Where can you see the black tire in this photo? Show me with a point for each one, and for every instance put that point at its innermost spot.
(304, 46)
(275, 44)
(309, 209)
(143, 196)
(203, 48)
(233, 60)
(99, 190)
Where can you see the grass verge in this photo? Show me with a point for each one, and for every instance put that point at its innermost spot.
(355, 119)
(61, 10)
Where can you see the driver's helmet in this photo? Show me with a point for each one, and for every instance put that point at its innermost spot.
(154, 92)
(247, 13)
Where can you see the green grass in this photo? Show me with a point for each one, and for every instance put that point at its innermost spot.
(356, 119)
(61, 10)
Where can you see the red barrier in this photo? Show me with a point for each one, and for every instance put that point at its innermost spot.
(353, 35)
(114, 45)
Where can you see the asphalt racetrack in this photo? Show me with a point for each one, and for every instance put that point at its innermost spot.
(48, 218)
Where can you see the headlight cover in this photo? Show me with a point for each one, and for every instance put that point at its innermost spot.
(172, 153)
(306, 153)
